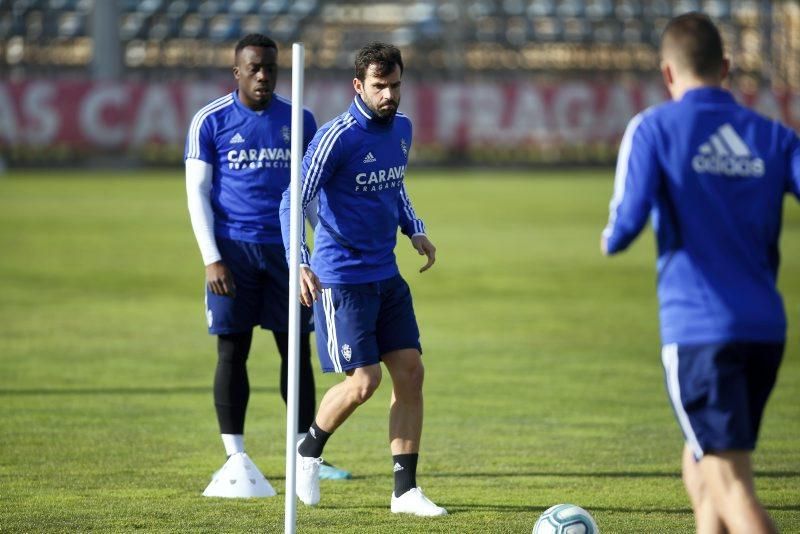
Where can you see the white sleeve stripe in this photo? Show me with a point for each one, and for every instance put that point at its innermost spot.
(324, 146)
(197, 122)
(418, 225)
(409, 209)
(621, 175)
(321, 156)
(311, 180)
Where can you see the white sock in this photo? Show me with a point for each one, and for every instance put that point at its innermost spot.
(233, 443)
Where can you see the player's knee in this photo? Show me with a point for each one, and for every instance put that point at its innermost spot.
(233, 349)
(411, 376)
(364, 384)
(416, 376)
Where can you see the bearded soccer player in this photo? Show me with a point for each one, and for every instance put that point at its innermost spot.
(237, 167)
(713, 174)
(362, 306)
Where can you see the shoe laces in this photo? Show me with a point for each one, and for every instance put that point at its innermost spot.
(424, 497)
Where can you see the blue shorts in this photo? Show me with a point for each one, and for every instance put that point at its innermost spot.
(361, 322)
(718, 391)
(261, 275)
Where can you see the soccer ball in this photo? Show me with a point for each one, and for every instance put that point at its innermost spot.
(565, 519)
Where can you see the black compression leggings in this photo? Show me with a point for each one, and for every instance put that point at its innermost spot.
(232, 387)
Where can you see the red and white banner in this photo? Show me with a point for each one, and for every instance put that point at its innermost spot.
(492, 121)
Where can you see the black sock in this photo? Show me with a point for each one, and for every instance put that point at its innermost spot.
(405, 472)
(314, 443)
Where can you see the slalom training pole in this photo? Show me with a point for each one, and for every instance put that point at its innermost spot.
(295, 220)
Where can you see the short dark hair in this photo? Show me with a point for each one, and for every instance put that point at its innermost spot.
(254, 39)
(384, 56)
(696, 43)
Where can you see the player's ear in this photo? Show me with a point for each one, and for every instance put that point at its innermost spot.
(358, 86)
(667, 74)
(726, 68)
(236, 72)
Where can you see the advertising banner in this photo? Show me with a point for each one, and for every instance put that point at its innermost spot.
(482, 122)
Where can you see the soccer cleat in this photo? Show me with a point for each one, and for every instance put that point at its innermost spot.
(328, 471)
(307, 479)
(415, 502)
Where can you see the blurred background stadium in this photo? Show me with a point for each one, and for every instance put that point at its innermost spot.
(105, 370)
(487, 81)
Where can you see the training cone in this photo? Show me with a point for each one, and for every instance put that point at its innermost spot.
(239, 477)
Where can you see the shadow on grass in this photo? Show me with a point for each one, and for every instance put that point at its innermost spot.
(534, 508)
(182, 390)
(537, 509)
(577, 474)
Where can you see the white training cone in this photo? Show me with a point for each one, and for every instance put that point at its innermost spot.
(239, 477)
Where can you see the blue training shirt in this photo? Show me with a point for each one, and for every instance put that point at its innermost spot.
(713, 174)
(250, 153)
(357, 164)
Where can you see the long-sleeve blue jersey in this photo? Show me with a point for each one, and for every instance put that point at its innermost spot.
(357, 165)
(713, 174)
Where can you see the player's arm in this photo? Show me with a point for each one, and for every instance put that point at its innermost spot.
(309, 130)
(635, 186)
(413, 227)
(319, 163)
(199, 175)
(794, 166)
(200, 150)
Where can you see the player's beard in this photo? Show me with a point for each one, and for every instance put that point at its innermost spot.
(386, 113)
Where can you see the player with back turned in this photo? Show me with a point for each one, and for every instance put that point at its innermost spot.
(362, 306)
(237, 167)
(713, 174)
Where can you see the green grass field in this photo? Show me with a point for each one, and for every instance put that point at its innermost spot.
(543, 366)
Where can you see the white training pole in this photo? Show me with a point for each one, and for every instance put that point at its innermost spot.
(295, 220)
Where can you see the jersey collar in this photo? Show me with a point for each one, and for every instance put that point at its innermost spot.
(365, 116)
(245, 109)
(708, 94)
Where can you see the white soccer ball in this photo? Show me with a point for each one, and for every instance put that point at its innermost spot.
(565, 519)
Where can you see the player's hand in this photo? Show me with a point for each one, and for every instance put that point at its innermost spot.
(604, 245)
(425, 248)
(220, 280)
(310, 286)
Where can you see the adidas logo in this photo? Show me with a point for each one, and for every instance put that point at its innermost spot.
(726, 154)
(369, 158)
(397, 467)
(237, 139)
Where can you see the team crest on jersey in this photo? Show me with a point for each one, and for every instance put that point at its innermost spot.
(286, 133)
(404, 147)
(347, 352)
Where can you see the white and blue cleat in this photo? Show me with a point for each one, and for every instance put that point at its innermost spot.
(328, 471)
